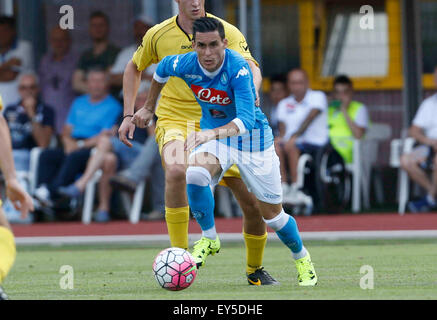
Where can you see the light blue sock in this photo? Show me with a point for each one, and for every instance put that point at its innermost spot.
(200, 197)
(287, 231)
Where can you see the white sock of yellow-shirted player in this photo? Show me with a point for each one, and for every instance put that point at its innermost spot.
(7, 252)
(287, 231)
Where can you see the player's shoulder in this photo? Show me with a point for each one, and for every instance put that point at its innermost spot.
(154, 32)
(183, 59)
(235, 56)
(237, 62)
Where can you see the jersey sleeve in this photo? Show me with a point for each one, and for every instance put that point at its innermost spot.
(170, 66)
(146, 53)
(244, 99)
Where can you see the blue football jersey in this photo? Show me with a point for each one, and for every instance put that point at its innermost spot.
(223, 95)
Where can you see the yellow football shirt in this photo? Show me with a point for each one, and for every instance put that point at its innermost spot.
(177, 103)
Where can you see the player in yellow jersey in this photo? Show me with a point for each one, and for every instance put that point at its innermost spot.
(178, 114)
(21, 200)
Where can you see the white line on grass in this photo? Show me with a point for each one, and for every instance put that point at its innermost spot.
(226, 237)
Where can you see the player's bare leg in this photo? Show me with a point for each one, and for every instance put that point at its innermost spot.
(177, 212)
(252, 218)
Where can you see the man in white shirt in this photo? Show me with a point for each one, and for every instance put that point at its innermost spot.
(16, 56)
(142, 23)
(424, 131)
(302, 125)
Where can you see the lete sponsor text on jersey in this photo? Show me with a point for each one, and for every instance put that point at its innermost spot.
(211, 95)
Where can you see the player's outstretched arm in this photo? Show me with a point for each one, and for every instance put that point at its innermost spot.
(20, 199)
(131, 83)
(230, 129)
(257, 79)
(144, 116)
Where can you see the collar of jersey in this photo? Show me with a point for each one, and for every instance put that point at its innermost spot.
(212, 74)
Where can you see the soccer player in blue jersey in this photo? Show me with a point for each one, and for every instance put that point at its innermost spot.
(234, 131)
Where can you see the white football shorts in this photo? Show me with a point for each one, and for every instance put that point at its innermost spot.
(259, 170)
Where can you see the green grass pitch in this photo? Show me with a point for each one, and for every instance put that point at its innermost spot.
(402, 270)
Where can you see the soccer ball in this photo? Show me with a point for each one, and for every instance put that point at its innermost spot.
(174, 269)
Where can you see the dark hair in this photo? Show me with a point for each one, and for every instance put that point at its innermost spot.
(343, 79)
(99, 14)
(10, 21)
(279, 78)
(207, 24)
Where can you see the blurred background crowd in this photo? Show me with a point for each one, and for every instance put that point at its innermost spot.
(333, 90)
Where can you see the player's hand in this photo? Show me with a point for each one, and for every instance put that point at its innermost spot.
(257, 100)
(195, 139)
(126, 131)
(19, 198)
(142, 117)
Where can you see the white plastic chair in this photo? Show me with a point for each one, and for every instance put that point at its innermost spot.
(406, 145)
(90, 191)
(365, 154)
(31, 176)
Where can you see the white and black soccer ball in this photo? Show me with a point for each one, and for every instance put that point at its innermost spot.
(174, 269)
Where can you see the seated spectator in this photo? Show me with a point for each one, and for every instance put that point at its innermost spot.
(16, 56)
(302, 126)
(111, 154)
(278, 91)
(91, 116)
(347, 119)
(55, 72)
(424, 131)
(31, 122)
(141, 25)
(101, 55)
